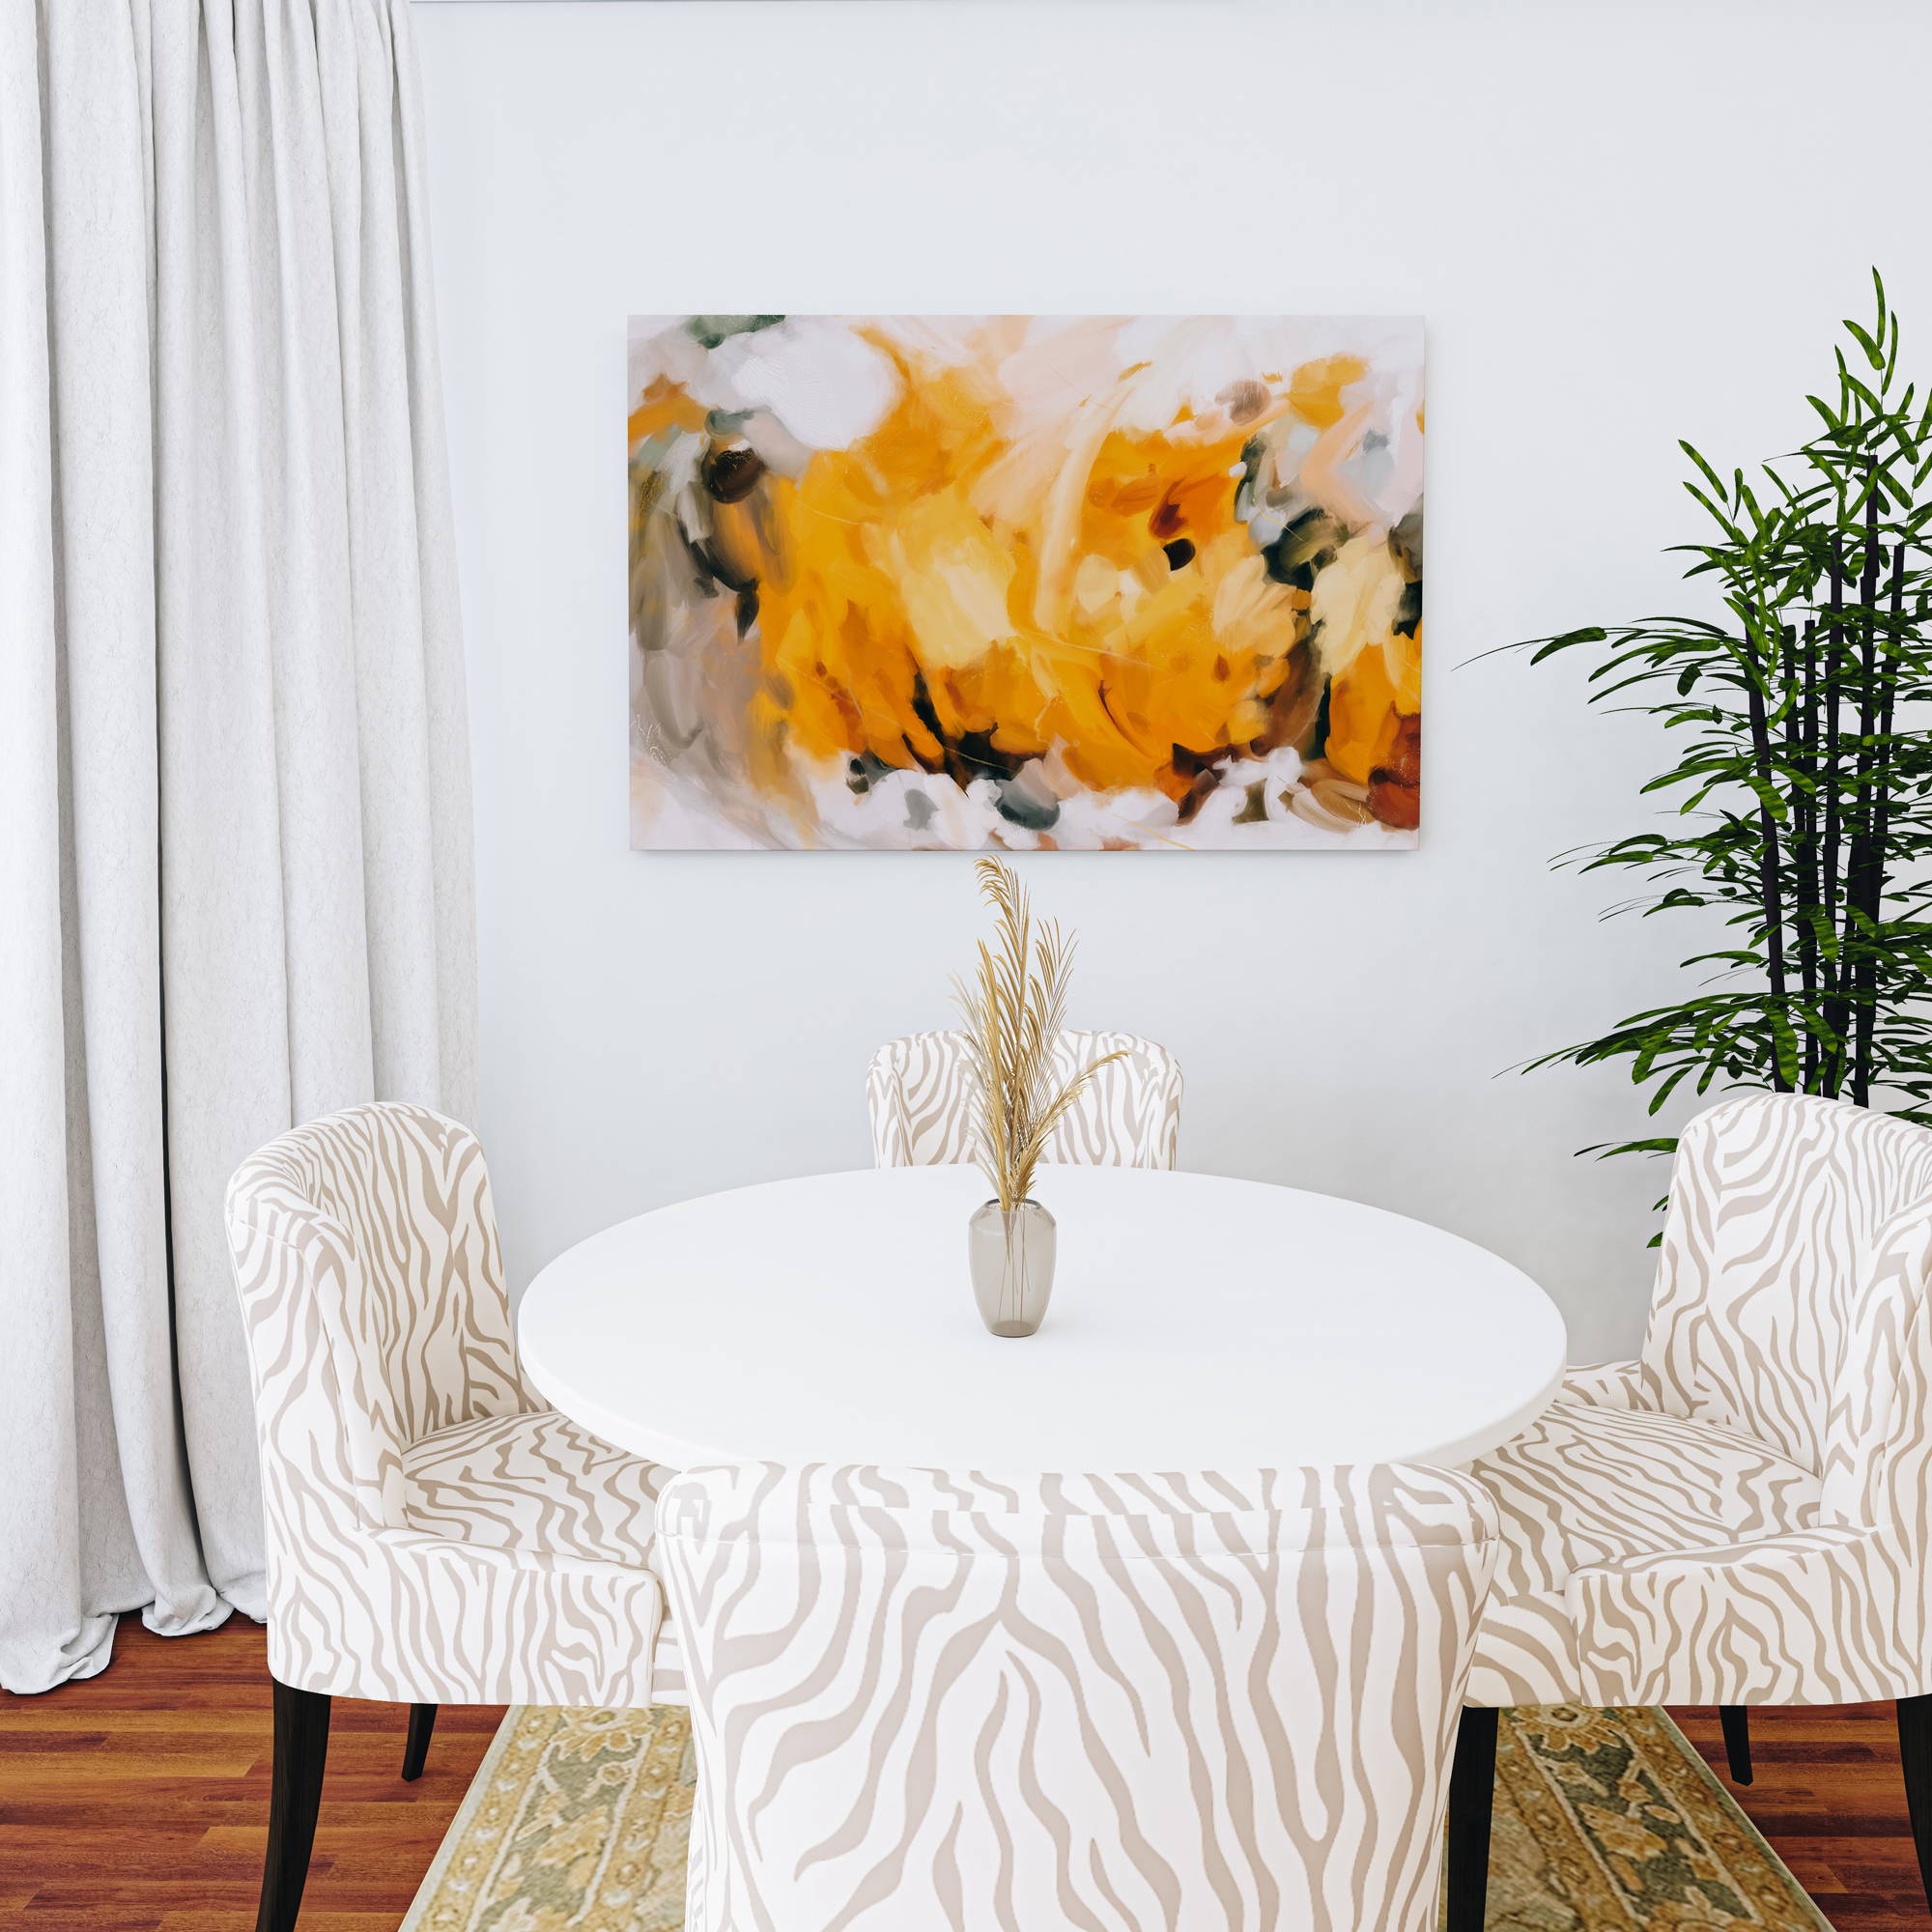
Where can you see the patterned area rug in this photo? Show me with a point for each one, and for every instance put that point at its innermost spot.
(1606, 1821)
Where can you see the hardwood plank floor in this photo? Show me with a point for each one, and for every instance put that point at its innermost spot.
(1827, 1794)
(138, 1801)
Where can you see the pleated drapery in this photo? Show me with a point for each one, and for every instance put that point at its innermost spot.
(235, 866)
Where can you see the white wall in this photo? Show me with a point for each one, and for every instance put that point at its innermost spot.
(1624, 225)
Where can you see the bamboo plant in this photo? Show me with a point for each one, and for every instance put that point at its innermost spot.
(1013, 1010)
(1803, 786)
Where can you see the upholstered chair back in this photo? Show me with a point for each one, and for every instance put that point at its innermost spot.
(372, 1295)
(923, 1094)
(1791, 1292)
(372, 1287)
(922, 1701)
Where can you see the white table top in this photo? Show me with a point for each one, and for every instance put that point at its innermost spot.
(1197, 1322)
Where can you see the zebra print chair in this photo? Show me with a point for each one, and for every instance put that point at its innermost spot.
(1744, 1515)
(434, 1533)
(923, 1094)
(924, 1701)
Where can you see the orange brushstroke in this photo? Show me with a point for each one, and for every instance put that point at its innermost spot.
(939, 582)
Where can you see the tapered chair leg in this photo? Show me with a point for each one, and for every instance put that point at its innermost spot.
(415, 1752)
(1915, 1757)
(1736, 1721)
(302, 1747)
(1472, 1796)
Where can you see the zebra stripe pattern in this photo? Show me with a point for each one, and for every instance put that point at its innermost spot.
(924, 1093)
(435, 1534)
(535, 1481)
(1744, 1513)
(931, 1702)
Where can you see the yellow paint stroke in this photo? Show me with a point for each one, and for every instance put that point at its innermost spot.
(1315, 393)
(1022, 592)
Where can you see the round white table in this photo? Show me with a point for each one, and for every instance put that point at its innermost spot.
(1197, 1322)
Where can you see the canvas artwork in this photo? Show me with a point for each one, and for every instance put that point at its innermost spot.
(1025, 582)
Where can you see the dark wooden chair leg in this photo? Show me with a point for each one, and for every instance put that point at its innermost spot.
(1915, 1757)
(415, 1752)
(1472, 1797)
(302, 1747)
(1736, 1721)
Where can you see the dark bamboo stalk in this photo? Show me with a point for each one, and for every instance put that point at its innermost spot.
(1861, 1059)
(1854, 949)
(1771, 892)
(1801, 754)
(1831, 1072)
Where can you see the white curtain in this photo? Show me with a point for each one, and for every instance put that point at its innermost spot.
(234, 870)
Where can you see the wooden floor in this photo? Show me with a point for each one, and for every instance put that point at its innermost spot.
(1827, 1794)
(137, 1800)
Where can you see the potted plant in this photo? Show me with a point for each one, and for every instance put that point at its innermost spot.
(1013, 1010)
(1803, 788)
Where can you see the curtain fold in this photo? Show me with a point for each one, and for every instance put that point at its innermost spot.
(235, 868)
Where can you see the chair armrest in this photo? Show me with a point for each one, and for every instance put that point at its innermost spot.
(1603, 1384)
(1794, 1545)
(404, 1616)
(422, 1545)
(1814, 1616)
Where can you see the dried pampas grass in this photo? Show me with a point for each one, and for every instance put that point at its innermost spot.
(1013, 1010)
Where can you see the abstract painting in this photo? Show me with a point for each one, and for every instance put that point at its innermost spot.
(1026, 583)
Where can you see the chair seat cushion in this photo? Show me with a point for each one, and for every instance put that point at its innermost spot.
(535, 1482)
(1587, 1486)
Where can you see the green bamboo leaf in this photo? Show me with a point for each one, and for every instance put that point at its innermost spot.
(1864, 337)
(1832, 419)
